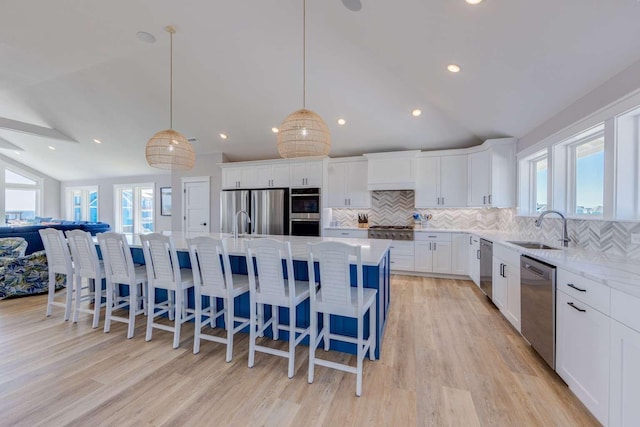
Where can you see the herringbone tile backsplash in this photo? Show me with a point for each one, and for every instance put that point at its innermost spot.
(397, 208)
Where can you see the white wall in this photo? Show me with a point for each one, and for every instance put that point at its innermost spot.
(619, 86)
(206, 165)
(106, 210)
(51, 189)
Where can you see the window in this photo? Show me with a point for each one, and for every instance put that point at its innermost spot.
(134, 208)
(21, 198)
(587, 167)
(540, 170)
(82, 203)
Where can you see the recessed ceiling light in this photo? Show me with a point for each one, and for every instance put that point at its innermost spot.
(454, 68)
(416, 112)
(224, 136)
(97, 141)
(145, 37)
(474, 2)
(274, 130)
(51, 147)
(341, 122)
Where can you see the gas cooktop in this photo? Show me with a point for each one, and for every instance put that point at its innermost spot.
(393, 232)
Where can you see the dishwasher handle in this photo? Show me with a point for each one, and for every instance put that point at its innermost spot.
(533, 269)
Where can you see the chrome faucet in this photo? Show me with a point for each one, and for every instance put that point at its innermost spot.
(235, 222)
(565, 236)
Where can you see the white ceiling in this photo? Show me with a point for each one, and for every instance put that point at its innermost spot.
(77, 66)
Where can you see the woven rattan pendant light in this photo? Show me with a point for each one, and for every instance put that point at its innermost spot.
(303, 133)
(169, 149)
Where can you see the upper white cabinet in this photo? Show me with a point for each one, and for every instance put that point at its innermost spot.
(392, 171)
(441, 181)
(492, 174)
(306, 173)
(347, 184)
(272, 175)
(239, 176)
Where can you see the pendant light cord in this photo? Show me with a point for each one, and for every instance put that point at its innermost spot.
(171, 31)
(304, 54)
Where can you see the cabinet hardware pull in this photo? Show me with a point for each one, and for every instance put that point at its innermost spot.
(571, 285)
(489, 198)
(478, 253)
(470, 240)
(443, 200)
(502, 266)
(484, 200)
(345, 234)
(582, 310)
(430, 245)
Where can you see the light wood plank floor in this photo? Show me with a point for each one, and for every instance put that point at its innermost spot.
(448, 359)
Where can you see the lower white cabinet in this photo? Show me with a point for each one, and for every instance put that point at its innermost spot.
(402, 254)
(582, 353)
(433, 252)
(624, 401)
(506, 283)
(474, 258)
(459, 257)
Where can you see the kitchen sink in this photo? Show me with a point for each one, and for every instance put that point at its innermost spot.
(533, 245)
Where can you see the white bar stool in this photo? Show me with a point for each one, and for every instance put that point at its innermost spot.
(212, 278)
(164, 272)
(337, 296)
(121, 271)
(270, 287)
(86, 265)
(58, 262)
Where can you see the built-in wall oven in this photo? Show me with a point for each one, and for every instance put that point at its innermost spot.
(304, 217)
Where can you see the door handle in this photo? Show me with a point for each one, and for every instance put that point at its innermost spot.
(203, 224)
(582, 310)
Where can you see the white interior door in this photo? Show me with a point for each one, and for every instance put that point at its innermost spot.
(197, 215)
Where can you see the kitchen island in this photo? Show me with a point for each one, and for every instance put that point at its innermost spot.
(376, 275)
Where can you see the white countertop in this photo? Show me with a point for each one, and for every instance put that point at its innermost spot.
(617, 272)
(373, 250)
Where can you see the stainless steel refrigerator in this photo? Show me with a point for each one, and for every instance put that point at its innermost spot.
(268, 209)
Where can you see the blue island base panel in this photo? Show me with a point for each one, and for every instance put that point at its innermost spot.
(373, 277)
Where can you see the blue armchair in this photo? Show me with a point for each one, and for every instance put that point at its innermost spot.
(22, 275)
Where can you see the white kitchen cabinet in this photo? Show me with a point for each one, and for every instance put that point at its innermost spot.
(306, 173)
(347, 184)
(624, 381)
(441, 181)
(582, 353)
(459, 254)
(433, 252)
(346, 233)
(392, 171)
(239, 177)
(474, 259)
(272, 176)
(402, 255)
(506, 283)
(492, 174)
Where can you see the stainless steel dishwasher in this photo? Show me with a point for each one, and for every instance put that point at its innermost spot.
(486, 267)
(538, 306)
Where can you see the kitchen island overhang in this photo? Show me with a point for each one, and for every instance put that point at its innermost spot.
(376, 275)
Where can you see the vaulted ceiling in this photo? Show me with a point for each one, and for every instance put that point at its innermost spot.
(78, 67)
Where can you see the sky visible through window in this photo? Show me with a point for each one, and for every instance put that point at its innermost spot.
(590, 178)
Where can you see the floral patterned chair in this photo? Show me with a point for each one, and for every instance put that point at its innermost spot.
(22, 275)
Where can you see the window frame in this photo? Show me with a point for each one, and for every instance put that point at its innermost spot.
(85, 202)
(37, 187)
(136, 215)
